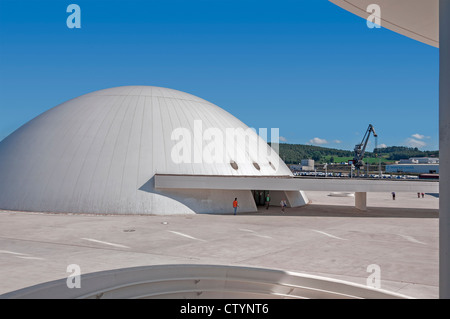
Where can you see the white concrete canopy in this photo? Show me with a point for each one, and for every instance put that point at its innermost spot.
(294, 184)
(290, 186)
(416, 19)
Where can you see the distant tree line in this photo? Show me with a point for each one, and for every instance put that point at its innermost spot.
(396, 153)
(294, 153)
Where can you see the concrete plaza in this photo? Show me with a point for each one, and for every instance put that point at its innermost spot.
(328, 238)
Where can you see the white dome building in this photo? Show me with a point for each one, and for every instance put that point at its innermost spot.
(99, 153)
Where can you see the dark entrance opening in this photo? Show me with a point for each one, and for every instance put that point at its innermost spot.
(260, 197)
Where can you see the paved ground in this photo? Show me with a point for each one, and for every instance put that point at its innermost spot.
(329, 237)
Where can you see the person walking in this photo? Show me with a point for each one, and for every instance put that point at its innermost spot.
(283, 205)
(235, 205)
(393, 195)
(267, 201)
(418, 195)
(423, 195)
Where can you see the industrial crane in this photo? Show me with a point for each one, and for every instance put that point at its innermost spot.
(360, 149)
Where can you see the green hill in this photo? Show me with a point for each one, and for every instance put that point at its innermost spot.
(294, 153)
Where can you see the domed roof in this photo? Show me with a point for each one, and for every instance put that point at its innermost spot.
(96, 152)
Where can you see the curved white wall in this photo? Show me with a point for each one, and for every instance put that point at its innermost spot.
(201, 282)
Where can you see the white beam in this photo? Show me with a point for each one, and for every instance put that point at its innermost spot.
(292, 184)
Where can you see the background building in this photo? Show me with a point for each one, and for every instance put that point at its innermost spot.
(307, 164)
(415, 165)
(420, 160)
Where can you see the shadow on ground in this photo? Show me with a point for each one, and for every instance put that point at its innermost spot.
(348, 211)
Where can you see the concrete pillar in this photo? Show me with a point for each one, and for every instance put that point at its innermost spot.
(361, 200)
(444, 149)
(296, 198)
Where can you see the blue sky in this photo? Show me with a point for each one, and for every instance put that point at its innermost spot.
(309, 68)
